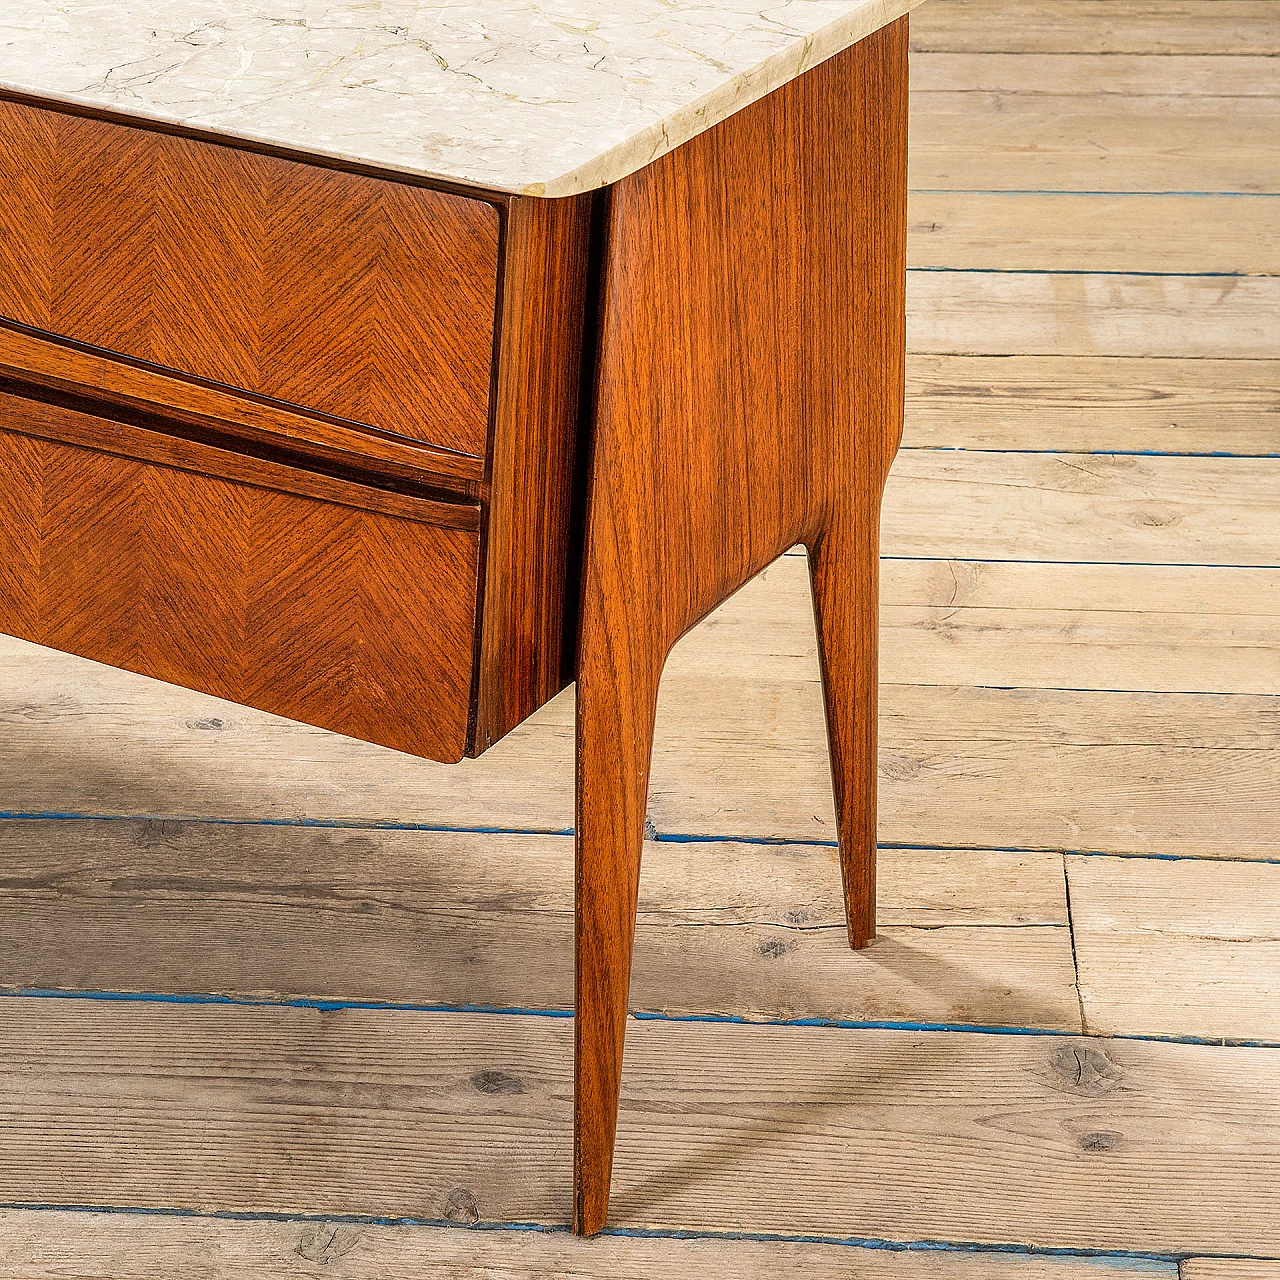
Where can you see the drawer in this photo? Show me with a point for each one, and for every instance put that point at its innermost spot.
(370, 301)
(347, 607)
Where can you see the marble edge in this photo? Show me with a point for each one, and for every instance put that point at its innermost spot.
(609, 166)
(724, 100)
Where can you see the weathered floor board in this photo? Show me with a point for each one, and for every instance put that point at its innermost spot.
(1146, 628)
(1093, 403)
(1230, 1269)
(1178, 948)
(1064, 314)
(98, 1246)
(445, 918)
(1101, 76)
(1003, 231)
(1134, 773)
(1247, 27)
(887, 1134)
(1105, 143)
(1081, 507)
(1088, 626)
(1120, 772)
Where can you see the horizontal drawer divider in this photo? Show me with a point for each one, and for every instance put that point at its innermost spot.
(54, 363)
(56, 419)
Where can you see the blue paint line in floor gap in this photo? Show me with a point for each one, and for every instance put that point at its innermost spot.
(1030, 191)
(1080, 271)
(1071, 853)
(1148, 1261)
(1084, 688)
(1110, 564)
(283, 1002)
(1163, 1263)
(249, 1215)
(736, 1020)
(1091, 453)
(661, 837)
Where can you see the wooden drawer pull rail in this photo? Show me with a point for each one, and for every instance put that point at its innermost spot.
(42, 360)
(68, 426)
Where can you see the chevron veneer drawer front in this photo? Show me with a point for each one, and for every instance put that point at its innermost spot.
(310, 597)
(370, 300)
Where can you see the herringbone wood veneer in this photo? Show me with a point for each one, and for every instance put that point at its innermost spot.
(370, 300)
(357, 621)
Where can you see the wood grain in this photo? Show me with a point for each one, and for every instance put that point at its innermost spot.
(1007, 231)
(525, 657)
(894, 1135)
(354, 296)
(1078, 404)
(483, 920)
(527, 471)
(299, 606)
(1247, 27)
(1166, 629)
(1178, 948)
(1003, 141)
(1048, 313)
(748, 396)
(1068, 507)
(1095, 75)
(102, 1246)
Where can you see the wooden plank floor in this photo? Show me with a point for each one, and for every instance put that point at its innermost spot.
(282, 1004)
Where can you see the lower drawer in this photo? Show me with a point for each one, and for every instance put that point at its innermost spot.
(353, 616)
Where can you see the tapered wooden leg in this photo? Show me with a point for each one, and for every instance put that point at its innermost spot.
(617, 697)
(748, 396)
(844, 566)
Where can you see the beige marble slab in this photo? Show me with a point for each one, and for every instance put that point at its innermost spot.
(542, 97)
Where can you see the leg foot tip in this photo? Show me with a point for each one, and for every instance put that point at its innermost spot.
(586, 1226)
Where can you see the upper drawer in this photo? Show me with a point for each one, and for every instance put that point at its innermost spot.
(370, 300)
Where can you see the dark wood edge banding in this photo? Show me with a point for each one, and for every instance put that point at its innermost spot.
(47, 420)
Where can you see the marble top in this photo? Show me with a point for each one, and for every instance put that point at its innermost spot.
(541, 97)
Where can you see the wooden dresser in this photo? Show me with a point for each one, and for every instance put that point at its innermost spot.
(401, 456)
